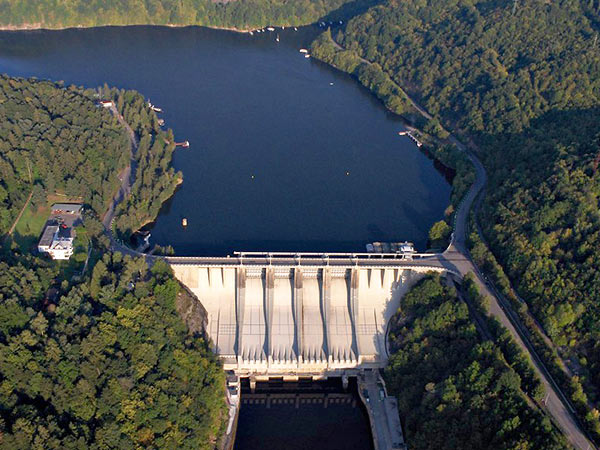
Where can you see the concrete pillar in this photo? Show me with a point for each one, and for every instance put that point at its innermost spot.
(240, 297)
(269, 296)
(354, 310)
(298, 312)
(325, 302)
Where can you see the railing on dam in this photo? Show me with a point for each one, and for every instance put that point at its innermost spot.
(307, 313)
(419, 261)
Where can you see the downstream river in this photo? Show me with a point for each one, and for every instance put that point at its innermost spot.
(286, 153)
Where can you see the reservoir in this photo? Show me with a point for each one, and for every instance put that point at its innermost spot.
(286, 154)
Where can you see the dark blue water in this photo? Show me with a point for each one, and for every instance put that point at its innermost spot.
(280, 159)
(303, 424)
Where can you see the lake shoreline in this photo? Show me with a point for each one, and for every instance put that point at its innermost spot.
(44, 27)
(276, 138)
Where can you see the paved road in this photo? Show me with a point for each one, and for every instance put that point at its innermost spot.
(369, 390)
(455, 258)
(126, 176)
(556, 404)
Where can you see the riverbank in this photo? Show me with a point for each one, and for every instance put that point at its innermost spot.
(558, 405)
(44, 27)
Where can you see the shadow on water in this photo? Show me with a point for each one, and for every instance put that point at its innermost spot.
(316, 415)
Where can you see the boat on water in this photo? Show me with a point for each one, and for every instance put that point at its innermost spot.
(161, 122)
(250, 33)
(270, 28)
(307, 56)
(184, 144)
(277, 38)
(402, 133)
(184, 222)
(303, 50)
(295, 28)
(153, 107)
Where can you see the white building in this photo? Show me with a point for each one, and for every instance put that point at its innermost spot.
(57, 242)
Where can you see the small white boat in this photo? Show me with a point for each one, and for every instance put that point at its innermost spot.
(184, 222)
(270, 28)
(295, 29)
(250, 33)
(307, 56)
(303, 50)
(277, 38)
(330, 84)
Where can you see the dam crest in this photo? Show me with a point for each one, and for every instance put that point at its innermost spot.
(295, 315)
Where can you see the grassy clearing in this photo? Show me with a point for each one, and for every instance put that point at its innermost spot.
(29, 227)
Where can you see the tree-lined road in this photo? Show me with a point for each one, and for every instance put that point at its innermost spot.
(456, 259)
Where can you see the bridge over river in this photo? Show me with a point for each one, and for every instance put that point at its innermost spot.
(302, 314)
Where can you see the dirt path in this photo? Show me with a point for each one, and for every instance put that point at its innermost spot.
(12, 228)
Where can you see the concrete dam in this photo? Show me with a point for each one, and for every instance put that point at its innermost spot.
(300, 315)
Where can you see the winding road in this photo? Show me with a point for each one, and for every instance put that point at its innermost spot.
(455, 258)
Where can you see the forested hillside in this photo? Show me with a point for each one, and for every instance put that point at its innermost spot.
(99, 359)
(242, 14)
(55, 139)
(104, 363)
(486, 67)
(154, 180)
(520, 79)
(454, 390)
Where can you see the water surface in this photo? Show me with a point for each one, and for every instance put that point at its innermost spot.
(286, 153)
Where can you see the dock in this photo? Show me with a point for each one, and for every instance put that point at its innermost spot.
(411, 136)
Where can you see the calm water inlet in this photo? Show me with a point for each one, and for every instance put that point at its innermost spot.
(320, 415)
(286, 153)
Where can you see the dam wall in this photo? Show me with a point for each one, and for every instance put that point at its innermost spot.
(292, 320)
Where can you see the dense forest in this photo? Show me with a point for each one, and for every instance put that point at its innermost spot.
(520, 80)
(57, 141)
(97, 359)
(455, 390)
(241, 14)
(105, 363)
(54, 139)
